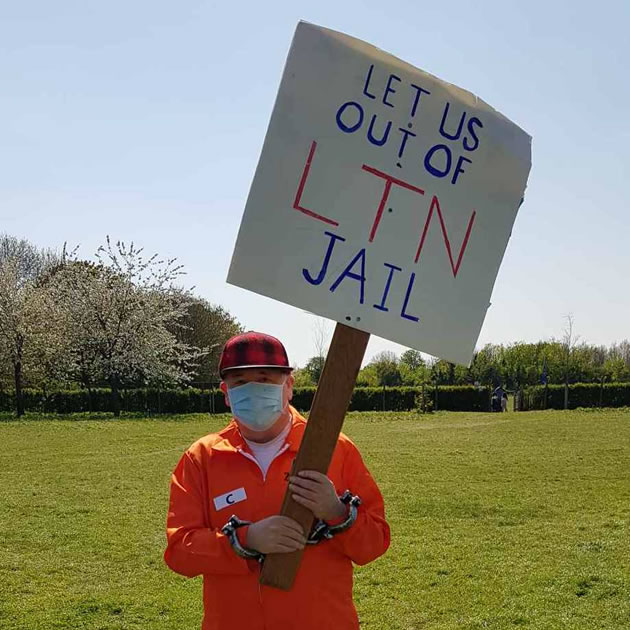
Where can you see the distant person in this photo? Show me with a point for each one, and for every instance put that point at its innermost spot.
(497, 397)
(504, 401)
(227, 492)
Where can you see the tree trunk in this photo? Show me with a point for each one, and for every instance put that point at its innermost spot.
(19, 396)
(566, 395)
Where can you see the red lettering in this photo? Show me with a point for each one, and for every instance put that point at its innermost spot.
(389, 180)
(435, 204)
(300, 190)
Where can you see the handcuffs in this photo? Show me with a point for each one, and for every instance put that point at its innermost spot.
(321, 530)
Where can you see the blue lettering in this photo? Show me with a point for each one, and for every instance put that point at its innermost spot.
(406, 133)
(367, 82)
(403, 313)
(370, 135)
(324, 269)
(349, 128)
(392, 268)
(459, 129)
(355, 276)
(471, 122)
(419, 91)
(431, 168)
(459, 169)
(389, 89)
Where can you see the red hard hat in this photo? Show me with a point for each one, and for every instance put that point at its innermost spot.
(253, 350)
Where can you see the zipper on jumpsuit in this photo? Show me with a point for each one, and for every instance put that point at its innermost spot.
(264, 476)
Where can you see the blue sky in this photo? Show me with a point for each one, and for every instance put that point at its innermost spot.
(144, 120)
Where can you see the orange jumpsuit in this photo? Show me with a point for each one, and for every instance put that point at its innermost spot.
(217, 477)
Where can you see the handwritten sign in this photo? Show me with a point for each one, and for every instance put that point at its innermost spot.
(384, 197)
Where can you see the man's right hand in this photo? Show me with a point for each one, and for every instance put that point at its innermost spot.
(275, 534)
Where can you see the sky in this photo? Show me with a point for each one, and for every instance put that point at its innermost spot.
(144, 120)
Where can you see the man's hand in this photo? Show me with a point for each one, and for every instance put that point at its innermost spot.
(316, 492)
(275, 534)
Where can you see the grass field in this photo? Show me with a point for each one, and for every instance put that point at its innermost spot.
(498, 521)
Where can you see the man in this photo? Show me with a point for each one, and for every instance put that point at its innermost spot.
(497, 398)
(243, 471)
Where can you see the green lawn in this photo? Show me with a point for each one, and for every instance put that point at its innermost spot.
(498, 521)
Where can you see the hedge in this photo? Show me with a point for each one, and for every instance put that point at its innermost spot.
(580, 395)
(150, 401)
(138, 400)
(450, 398)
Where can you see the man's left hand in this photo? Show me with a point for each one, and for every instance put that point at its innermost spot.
(315, 491)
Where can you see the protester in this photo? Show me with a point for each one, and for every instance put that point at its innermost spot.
(244, 470)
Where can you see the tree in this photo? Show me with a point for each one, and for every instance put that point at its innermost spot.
(18, 323)
(25, 331)
(386, 367)
(207, 326)
(412, 368)
(568, 342)
(120, 315)
(443, 372)
(616, 369)
(520, 365)
(367, 376)
(321, 338)
(621, 350)
(412, 358)
(302, 378)
(483, 369)
(30, 261)
(314, 367)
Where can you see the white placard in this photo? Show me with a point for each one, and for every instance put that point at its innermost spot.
(384, 197)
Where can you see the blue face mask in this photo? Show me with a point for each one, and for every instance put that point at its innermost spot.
(257, 405)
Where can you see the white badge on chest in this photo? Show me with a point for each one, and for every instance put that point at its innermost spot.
(229, 498)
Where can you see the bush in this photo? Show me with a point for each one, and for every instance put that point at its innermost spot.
(383, 399)
(303, 397)
(463, 398)
(146, 400)
(580, 395)
(424, 401)
(150, 401)
(450, 398)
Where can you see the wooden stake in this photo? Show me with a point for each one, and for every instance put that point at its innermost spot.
(328, 411)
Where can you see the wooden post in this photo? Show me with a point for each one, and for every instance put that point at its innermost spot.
(328, 411)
